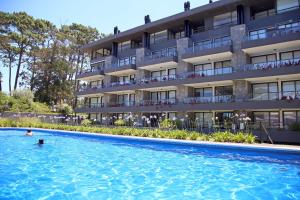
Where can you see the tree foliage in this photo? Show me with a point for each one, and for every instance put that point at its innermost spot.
(46, 57)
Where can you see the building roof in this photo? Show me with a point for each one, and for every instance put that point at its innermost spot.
(162, 24)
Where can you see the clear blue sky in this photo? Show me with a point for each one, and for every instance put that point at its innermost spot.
(101, 14)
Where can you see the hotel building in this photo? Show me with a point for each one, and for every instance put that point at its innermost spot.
(208, 63)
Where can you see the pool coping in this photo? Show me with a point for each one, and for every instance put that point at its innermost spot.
(256, 146)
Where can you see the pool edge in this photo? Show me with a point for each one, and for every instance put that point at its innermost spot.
(256, 146)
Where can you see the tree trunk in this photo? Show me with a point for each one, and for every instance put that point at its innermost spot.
(18, 68)
(9, 76)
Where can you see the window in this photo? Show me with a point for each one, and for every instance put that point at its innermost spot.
(263, 59)
(179, 34)
(267, 118)
(291, 89)
(204, 119)
(171, 51)
(290, 55)
(264, 13)
(203, 92)
(258, 34)
(223, 90)
(223, 67)
(126, 79)
(159, 36)
(163, 95)
(290, 117)
(96, 83)
(287, 5)
(203, 69)
(163, 74)
(100, 53)
(265, 91)
(124, 45)
(226, 18)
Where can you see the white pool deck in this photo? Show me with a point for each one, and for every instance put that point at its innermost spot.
(266, 146)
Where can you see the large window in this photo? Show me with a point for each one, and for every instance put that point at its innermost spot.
(203, 92)
(290, 117)
(163, 95)
(204, 119)
(223, 90)
(267, 118)
(291, 55)
(124, 45)
(126, 79)
(263, 59)
(290, 26)
(203, 69)
(265, 91)
(98, 66)
(223, 67)
(291, 89)
(287, 5)
(163, 74)
(171, 51)
(159, 36)
(226, 18)
(264, 13)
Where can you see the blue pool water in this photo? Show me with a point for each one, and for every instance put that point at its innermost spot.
(76, 167)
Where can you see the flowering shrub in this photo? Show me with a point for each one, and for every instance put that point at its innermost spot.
(218, 136)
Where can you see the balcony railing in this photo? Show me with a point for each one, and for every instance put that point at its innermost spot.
(272, 96)
(274, 33)
(158, 79)
(84, 88)
(91, 70)
(91, 105)
(207, 72)
(272, 64)
(119, 64)
(158, 102)
(211, 45)
(122, 83)
(159, 56)
(211, 99)
(121, 104)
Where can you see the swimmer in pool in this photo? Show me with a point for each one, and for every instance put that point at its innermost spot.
(29, 133)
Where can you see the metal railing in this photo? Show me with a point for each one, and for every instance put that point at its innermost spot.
(91, 105)
(211, 99)
(274, 33)
(158, 78)
(159, 56)
(158, 102)
(207, 72)
(121, 104)
(272, 12)
(94, 69)
(272, 64)
(118, 64)
(122, 83)
(83, 88)
(211, 45)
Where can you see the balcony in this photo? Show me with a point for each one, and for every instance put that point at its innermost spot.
(268, 40)
(85, 90)
(158, 102)
(272, 65)
(88, 108)
(117, 69)
(208, 72)
(211, 51)
(121, 104)
(90, 74)
(211, 99)
(156, 61)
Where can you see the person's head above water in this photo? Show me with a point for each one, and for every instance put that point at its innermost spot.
(29, 133)
(41, 141)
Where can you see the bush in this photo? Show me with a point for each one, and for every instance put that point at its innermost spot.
(64, 109)
(23, 94)
(120, 122)
(294, 126)
(168, 124)
(86, 122)
(155, 133)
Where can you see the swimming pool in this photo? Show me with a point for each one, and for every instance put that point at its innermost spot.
(76, 166)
